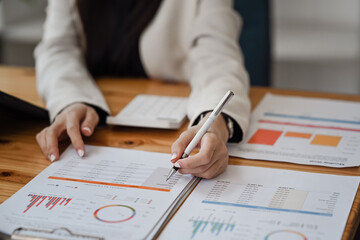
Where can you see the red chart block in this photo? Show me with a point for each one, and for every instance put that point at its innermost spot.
(265, 136)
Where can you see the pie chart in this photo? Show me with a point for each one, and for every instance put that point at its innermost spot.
(114, 213)
(285, 235)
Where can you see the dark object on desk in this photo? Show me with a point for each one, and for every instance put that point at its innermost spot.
(4, 236)
(357, 234)
(255, 39)
(20, 108)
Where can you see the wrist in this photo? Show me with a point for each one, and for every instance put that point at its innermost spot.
(219, 127)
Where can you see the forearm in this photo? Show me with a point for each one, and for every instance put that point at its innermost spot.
(216, 65)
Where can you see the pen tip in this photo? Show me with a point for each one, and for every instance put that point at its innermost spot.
(172, 171)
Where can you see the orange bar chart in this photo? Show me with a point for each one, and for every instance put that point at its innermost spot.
(298, 135)
(326, 140)
(265, 136)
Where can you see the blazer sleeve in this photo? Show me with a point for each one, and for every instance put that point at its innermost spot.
(62, 77)
(215, 63)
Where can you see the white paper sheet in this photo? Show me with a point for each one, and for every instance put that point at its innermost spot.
(304, 131)
(111, 193)
(265, 204)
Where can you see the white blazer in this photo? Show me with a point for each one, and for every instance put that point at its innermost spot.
(187, 40)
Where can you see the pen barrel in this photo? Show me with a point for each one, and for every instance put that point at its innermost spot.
(218, 109)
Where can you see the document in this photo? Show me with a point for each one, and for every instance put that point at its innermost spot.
(265, 204)
(304, 131)
(110, 193)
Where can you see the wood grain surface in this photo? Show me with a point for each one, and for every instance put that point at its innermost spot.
(21, 158)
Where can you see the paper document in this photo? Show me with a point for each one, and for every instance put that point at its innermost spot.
(110, 193)
(304, 131)
(265, 204)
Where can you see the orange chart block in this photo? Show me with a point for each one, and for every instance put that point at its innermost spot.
(109, 183)
(265, 136)
(326, 140)
(298, 135)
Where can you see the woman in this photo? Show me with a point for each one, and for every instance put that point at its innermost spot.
(187, 40)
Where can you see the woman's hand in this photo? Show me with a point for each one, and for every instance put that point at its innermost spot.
(74, 120)
(212, 159)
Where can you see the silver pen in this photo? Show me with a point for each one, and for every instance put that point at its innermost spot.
(214, 114)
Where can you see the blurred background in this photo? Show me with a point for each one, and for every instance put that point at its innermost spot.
(307, 45)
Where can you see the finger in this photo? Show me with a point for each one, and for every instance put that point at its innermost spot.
(217, 168)
(73, 131)
(40, 138)
(52, 143)
(220, 154)
(90, 122)
(181, 143)
(208, 145)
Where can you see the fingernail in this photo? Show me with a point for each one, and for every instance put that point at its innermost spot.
(87, 129)
(177, 164)
(52, 158)
(173, 156)
(81, 152)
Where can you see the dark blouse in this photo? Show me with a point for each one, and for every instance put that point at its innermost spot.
(112, 31)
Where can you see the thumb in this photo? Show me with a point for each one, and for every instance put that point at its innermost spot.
(181, 143)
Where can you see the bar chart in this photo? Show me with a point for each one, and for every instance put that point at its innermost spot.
(270, 137)
(211, 224)
(46, 201)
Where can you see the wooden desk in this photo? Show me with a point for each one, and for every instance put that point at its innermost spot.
(21, 158)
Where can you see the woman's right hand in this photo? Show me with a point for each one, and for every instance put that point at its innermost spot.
(75, 120)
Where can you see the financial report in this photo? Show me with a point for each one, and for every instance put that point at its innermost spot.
(304, 131)
(110, 193)
(265, 204)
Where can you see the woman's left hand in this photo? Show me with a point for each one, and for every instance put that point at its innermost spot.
(212, 158)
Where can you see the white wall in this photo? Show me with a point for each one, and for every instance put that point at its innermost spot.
(21, 29)
(316, 45)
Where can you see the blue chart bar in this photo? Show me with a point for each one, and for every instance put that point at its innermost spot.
(211, 225)
(269, 208)
(310, 118)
